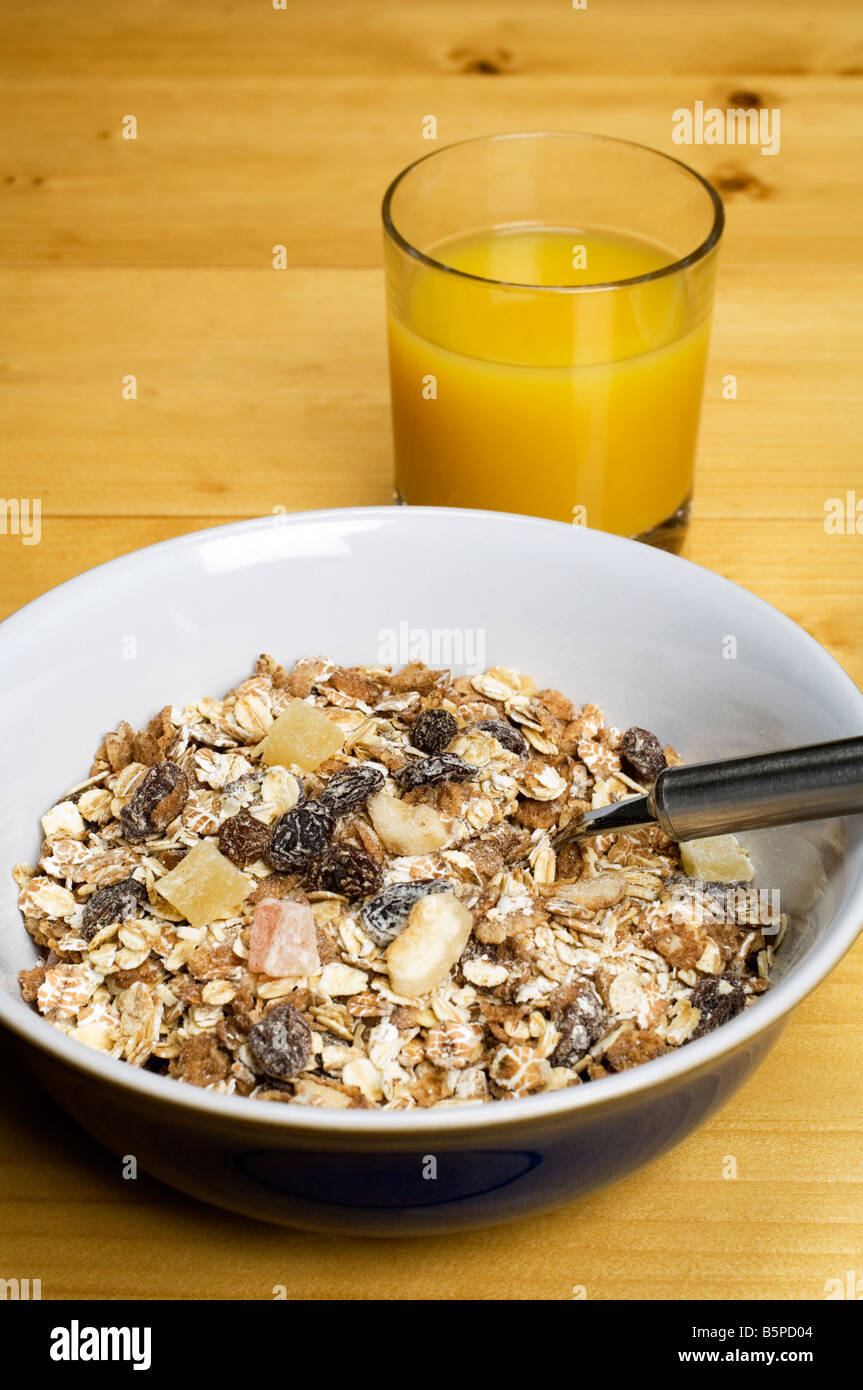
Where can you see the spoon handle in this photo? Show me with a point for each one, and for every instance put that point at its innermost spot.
(796, 784)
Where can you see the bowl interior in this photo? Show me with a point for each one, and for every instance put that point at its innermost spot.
(652, 639)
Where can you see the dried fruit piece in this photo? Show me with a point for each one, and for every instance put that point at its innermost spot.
(581, 1024)
(433, 730)
(717, 999)
(642, 754)
(158, 800)
(717, 857)
(243, 838)
(301, 834)
(406, 829)
(506, 735)
(302, 734)
(119, 902)
(283, 939)
(281, 1042)
(421, 956)
(427, 772)
(386, 914)
(352, 788)
(205, 886)
(345, 869)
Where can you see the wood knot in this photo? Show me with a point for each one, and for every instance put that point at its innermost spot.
(490, 63)
(730, 180)
(745, 99)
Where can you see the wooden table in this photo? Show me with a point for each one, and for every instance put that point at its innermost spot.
(256, 389)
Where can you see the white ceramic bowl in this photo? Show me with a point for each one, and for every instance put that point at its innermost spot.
(653, 639)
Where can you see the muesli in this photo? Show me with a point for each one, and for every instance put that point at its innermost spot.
(336, 887)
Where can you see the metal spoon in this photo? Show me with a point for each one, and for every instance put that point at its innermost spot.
(689, 803)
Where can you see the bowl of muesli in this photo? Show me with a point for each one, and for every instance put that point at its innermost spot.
(281, 912)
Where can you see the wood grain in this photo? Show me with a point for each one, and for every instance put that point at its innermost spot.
(260, 388)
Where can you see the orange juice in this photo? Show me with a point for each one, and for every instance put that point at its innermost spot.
(534, 382)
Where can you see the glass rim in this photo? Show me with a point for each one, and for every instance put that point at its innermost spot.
(681, 263)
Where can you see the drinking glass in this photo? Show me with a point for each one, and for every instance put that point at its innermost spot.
(549, 299)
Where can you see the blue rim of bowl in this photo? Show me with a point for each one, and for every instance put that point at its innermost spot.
(657, 1076)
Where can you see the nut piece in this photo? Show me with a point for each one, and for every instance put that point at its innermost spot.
(435, 936)
(303, 735)
(284, 939)
(406, 829)
(717, 857)
(205, 886)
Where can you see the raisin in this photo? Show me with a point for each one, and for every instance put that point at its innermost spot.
(505, 734)
(170, 858)
(642, 753)
(159, 800)
(352, 788)
(581, 1024)
(385, 915)
(281, 1043)
(298, 836)
(119, 902)
(433, 730)
(427, 772)
(345, 869)
(718, 998)
(244, 839)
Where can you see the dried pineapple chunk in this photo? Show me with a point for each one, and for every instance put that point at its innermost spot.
(719, 858)
(205, 886)
(303, 735)
(435, 936)
(406, 829)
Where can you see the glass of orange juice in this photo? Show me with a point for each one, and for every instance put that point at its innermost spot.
(548, 301)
